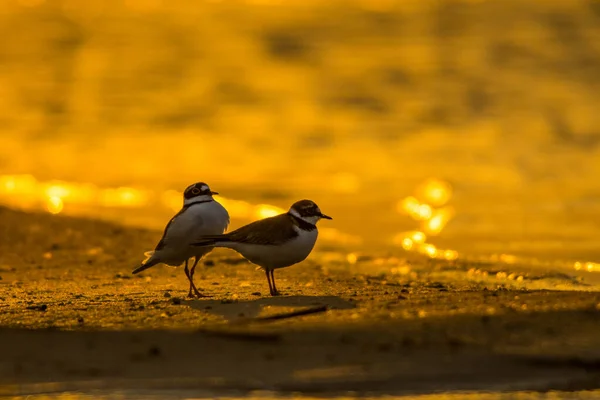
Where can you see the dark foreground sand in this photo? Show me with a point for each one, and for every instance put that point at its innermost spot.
(73, 317)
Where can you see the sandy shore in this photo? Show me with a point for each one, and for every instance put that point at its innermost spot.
(72, 317)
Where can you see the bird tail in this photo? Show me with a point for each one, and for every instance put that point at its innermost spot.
(210, 240)
(150, 261)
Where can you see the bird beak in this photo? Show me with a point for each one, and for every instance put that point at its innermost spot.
(325, 216)
(213, 193)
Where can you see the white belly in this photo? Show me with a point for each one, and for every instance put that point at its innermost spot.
(280, 256)
(198, 220)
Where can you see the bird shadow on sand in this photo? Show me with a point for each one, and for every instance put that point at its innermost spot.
(243, 309)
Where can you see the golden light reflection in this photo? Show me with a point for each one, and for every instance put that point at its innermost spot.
(236, 208)
(415, 209)
(124, 197)
(508, 258)
(18, 184)
(418, 237)
(54, 204)
(8, 184)
(436, 192)
(588, 266)
(592, 267)
(435, 224)
(438, 220)
(429, 249)
(352, 258)
(26, 192)
(450, 255)
(57, 190)
(433, 220)
(266, 211)
(407, 243)
(429, 208)
(477, 272)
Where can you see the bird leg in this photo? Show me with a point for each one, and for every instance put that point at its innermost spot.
(275, 292)
(191, 278)
(269, 280)
(187, 275)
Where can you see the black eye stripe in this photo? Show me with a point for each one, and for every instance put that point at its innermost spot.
(310, 211)
(196, 190)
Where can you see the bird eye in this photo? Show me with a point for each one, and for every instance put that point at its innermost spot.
(195, 191)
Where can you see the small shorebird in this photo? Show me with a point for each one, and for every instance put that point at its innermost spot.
(275, 242)
(200, 215)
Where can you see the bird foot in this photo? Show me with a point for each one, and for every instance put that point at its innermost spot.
(196, 294)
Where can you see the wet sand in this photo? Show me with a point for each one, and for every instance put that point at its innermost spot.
(72, 317)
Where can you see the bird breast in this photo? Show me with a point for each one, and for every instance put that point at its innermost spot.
(282, 255)
(197, 220)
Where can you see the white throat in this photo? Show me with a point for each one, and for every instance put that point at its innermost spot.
(198, 199)
(311, 220)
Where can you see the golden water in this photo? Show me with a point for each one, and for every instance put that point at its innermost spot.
(424, 127)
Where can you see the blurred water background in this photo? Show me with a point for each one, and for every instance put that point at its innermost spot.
(449, 128)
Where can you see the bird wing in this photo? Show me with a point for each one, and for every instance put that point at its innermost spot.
(180, 227)
(227, 223)
(269, 231)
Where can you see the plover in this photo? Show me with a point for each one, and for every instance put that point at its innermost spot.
(275, 242)
(200, 215)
